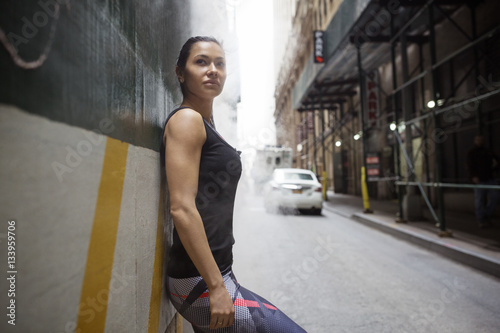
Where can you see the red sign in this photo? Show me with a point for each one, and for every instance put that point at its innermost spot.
(373, 99)
(310, 120)
(372, 166)
(372, 160)
(318, 47)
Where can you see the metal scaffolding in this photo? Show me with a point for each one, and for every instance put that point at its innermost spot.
(407, 110)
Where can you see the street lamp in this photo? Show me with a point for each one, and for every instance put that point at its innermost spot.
(432, 104)
(393, 126)
(338, 143)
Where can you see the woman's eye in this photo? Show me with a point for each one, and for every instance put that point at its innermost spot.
(221, 64)
(200, 61)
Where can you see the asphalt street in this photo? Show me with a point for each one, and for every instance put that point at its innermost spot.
(331, 274)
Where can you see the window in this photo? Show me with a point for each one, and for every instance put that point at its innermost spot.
(295, 176)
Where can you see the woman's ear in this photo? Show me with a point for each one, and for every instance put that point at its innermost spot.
(180, 74)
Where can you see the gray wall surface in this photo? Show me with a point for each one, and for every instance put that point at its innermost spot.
(104, 59)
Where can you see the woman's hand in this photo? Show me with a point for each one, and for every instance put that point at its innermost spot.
(221, 308)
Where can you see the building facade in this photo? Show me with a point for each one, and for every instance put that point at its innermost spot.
(403, 89)
(294, 47)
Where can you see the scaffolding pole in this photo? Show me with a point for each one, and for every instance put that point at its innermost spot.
(314, 142)
(422, 101)
(479, 120)
(454, 106)
(412, 169)
(323, 174)
(450, 185)
(415, 17)
(354, 155)
(362, 98)
(411, 207)
(437, 145)
(400, 218)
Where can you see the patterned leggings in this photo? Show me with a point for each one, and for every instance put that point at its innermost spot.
(253, 314)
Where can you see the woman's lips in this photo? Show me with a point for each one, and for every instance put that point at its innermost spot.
(211, 82)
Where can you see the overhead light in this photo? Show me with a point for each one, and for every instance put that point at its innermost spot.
(356, 137)
(431, 104)
(392, 126)
(338, 143)
(299, 147)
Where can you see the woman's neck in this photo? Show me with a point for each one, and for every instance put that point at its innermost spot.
(203, 107)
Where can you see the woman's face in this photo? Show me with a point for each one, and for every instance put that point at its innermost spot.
(205, 72)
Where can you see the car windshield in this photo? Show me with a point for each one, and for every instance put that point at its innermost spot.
(295, 176)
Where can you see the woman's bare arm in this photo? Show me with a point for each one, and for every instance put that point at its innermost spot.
(184, 138)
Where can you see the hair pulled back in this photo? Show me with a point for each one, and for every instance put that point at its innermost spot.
(188, 45)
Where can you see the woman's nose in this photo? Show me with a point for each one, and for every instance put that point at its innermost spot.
(212, 70)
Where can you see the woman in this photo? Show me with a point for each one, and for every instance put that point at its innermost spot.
(202, 172)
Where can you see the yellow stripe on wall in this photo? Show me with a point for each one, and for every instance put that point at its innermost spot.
(95, 288)
(155, 302)
(178, 322)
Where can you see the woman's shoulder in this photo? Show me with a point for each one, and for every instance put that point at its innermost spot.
(186, 118)
(185, 121)
(184, 113)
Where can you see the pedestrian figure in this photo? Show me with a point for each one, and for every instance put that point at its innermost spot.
(482, 164)
(202, 172)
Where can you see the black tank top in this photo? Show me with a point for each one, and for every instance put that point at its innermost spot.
(220, 171)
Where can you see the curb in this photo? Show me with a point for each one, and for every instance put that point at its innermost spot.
(463, 256)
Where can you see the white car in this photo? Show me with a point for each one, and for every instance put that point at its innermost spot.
(291, 188)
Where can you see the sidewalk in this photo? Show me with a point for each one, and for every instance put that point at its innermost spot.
(470, 245)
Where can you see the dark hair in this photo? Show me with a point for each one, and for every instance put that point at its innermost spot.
(186, 48)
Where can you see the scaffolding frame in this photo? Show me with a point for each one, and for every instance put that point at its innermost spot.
(327, 101)
(321, 96)
(435, 112)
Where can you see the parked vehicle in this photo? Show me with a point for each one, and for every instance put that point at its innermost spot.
(291, 188)
(267, 160)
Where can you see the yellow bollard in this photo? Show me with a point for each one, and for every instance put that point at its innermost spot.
(364, 192)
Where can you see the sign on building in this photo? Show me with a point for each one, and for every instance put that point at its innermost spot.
(372, 166)
(319, 56)
(310, 121)
(373, 101)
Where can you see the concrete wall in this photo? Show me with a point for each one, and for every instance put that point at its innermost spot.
(103, 60)
(89, 242)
